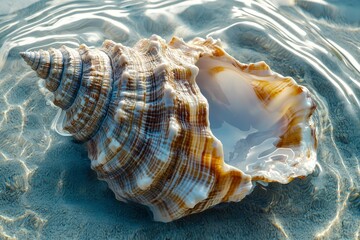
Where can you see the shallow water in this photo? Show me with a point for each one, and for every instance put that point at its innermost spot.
(47, 189)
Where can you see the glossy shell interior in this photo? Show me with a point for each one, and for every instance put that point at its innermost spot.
(261, 117)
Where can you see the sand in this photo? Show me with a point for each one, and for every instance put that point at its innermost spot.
(47, 189)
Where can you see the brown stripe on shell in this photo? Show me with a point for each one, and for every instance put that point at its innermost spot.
(36, 60)
(216, 70)
(52, 82)
(65, 94)
(267, 91)
(44, 64)
(99, 113)
(83, 107)
(292, 136)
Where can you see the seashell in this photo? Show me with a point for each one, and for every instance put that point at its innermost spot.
(179, 127)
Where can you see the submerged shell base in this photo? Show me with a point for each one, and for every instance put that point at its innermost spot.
(179, 127)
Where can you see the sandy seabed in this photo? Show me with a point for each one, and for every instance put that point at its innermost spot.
(47, 189)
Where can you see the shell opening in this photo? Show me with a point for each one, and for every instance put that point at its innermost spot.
(260, 117)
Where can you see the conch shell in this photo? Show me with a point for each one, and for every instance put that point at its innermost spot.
(149, 115)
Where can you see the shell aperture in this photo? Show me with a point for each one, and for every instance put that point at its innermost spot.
(180, 127)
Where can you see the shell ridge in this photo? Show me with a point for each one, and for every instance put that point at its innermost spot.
(62, 69)
(154, 153)
(78, 115)
(99, 111)
(76, 93)
(44, 65)
(108, 101)
(71, 112)
(113, 121)
(37, 59)
(78, 79)
(60, 79)
(52, 82)
(67, 91)
(136, 131)
(168, 192)
(109, 120)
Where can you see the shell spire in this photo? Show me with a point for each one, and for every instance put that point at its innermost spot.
(33, 60)
(47, 64)
(80, 80)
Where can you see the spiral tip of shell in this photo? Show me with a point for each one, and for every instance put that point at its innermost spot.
(39, 61)
(29, 57)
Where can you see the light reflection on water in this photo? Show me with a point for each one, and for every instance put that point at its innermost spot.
(315, 42)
